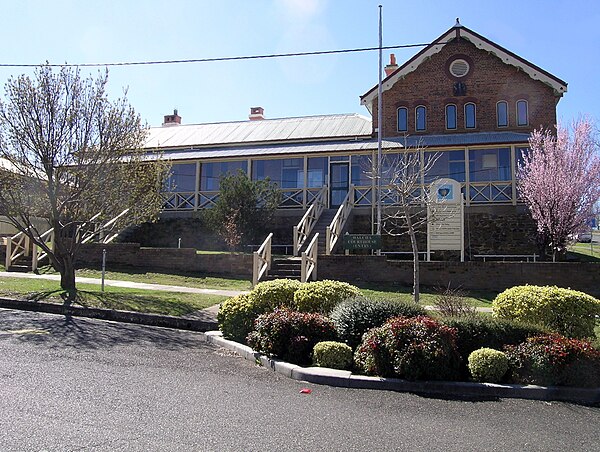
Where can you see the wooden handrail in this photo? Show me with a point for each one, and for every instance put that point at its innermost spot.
(306, 224)
(261, 261)
(334, 230)
(309, 260)
(38, 253)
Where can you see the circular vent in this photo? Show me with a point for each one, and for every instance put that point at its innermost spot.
(459, 68)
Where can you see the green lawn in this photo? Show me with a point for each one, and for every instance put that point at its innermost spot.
(585, 252)
(150, 301)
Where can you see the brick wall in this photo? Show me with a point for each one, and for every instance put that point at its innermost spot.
(468, 275)
(489, 81)
(173, 260)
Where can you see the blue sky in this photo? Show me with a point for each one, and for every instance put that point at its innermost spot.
(557, 36)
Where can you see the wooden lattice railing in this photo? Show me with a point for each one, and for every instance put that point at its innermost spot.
(305, 226)
(335, 229)
(261, 262)
(309, 260)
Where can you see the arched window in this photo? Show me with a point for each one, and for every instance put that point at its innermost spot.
(402, 119)
(420, 118)
(450, 116)
(502, 114)
(522, 114)
(470, 113)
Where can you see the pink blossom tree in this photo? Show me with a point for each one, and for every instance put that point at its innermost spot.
(559, 180)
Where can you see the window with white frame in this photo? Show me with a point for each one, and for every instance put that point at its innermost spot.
(522, 113)
(420, 118)
(502, 114)
(402, 119)
(470, 116)
(450, 116)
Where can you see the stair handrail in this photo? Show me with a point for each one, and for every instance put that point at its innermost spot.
(305, 226)
(38, 252)
(309, 260)
(90, 236)
(16, 247)
(261, 261)
(335, 229)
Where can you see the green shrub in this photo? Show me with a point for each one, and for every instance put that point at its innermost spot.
(413, 348)
(323, 296)
(564, 311)
(237, 315)
(554, 360)
(488, 365)
(481, 331)
(356, 316)
(335, 355)
(276, 293)
(290, 335)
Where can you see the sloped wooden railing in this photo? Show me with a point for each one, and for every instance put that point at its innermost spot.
(334, 230)
(309, 260)
(98, 232)
(39, 254)
(17, 246)
(261, 262)
(305, 226)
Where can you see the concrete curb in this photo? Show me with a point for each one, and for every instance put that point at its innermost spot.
(451, 389)
(139, 318)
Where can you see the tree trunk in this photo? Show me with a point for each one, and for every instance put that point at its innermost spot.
(415, 250)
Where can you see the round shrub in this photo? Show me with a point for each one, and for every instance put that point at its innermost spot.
(488, 365)
(323, 296)
(554, 360)
(335, 355)
(481, 331)
(413, 348)
(356, 316)
(276, 293)
(290, 335)
(236, 316)
(565, 311)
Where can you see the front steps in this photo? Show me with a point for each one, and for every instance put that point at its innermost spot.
(290, 268)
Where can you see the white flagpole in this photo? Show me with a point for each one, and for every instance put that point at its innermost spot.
(379, 123)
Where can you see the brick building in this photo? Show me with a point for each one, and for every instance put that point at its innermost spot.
(463, 98)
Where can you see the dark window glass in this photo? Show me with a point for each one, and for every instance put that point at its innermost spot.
(502, 114)
(286, 173)
(421, 118)
(470, 116)
(450, 116)
(447, 164)
(211, 173)
(316, 172)
(182, 178)
(402, 119)
(487, 165)
(522, 119)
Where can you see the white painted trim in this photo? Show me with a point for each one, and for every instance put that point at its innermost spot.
(517, 113)
(474, 115)
(455, 116)
(506, 58)
(398, 122)
(416, 118)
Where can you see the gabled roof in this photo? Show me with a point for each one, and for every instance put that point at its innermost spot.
(508, 57)
(300, 129)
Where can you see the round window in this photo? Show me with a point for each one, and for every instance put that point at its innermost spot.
(459, 68)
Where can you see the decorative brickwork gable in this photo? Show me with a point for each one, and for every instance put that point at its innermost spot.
(489, 80)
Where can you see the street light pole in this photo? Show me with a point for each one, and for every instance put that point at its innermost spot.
(379, 123)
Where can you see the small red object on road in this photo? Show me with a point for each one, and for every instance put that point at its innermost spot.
(305, 391)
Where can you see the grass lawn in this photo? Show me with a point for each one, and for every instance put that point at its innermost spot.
(199, 282)
(398, 292)
(585, 252)
(150, 301)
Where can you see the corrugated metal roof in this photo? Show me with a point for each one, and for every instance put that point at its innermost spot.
(277, 149)
(463, 139)
(265, 130)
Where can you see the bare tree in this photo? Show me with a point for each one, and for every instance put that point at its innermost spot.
(71, 155)
(406, 213)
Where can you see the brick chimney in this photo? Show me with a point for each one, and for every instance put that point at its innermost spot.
(172, 120)
(392, 66)
(256, 113)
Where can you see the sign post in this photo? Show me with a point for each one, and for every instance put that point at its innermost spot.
(445, 218)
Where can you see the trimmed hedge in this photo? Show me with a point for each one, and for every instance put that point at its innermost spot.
(565, 311)
(323, 296)
(555, 360)
(290, 335)
(473, 333)
(335, 355)
(237, 315)
(488, 365)
(354, 317)
(413, 348)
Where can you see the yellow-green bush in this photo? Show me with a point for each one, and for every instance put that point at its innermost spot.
(565, 311)
(323, 296)
(236, 315)
(488, 365)
(335, 355)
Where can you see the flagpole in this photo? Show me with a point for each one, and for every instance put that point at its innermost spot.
(379, 123)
